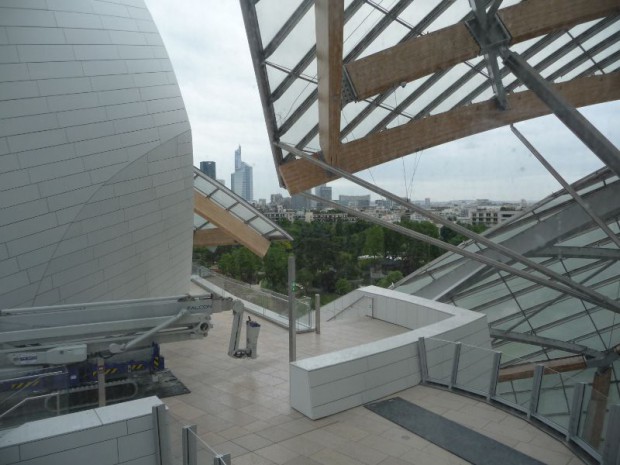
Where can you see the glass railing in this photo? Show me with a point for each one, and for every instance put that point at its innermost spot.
(561, 400)
(554, 401)
(186, 446)
(264, 302)
(33, 395)
(593, 419)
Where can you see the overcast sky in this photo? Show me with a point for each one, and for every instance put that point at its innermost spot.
(207, 44)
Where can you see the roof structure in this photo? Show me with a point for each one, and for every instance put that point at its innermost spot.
(221, 217)
(393, 78)
(348, 85)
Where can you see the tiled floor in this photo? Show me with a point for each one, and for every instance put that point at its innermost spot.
(241, 406)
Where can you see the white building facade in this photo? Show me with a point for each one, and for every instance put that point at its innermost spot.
(95, 156)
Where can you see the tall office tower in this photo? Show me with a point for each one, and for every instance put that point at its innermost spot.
(299, 202)
(241, 181)
(95, 177)
(208, 168)
(324, 192)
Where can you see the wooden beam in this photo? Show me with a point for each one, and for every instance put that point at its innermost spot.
(236, 228)
(329, 20)
(381, 147)
(421, 56)
(212, 238)
(526, 370)
(411, 60)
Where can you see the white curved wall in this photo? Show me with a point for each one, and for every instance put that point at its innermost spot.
(95, 155)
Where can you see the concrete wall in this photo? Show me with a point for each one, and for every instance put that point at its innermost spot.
(331, 383)
(95, 156)
(118, 434)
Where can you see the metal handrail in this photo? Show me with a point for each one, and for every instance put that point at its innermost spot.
(28, 399)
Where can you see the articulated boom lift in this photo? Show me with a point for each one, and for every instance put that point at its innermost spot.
(72, 347)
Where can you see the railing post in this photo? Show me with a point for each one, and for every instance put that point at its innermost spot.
(223, 459)
(611, 449)
(497, 358)
(536, 384)
(575, 413)
(455, 364)
(188, 440)
(292, 317)
(101, 380)
(160, 435)
(423, 361)
(317, 313)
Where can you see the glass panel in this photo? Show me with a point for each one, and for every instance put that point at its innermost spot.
(556, 394)
(514, 384)
(439, 357)
(36, 394)
(593, 420)
(475, 369)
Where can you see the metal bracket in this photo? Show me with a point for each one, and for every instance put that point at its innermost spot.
(347, 92)
(491, 36)
(490, 33)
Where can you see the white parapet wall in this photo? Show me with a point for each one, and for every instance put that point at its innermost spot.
(117, 434)
(333, 382)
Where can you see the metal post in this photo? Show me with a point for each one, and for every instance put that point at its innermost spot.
(575, 121)
(455, 364)
(101, 380)
(188, 439)
(582, 203)
(536, 384)
(292, 318)
(423, 361)
(160, 435)
(317, 313)
(611, 448)
(575, 413)
(497, 357)
(223, 459)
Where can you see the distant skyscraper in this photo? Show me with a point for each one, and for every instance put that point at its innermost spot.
(208, 168)
(324, 192)
(241, 181)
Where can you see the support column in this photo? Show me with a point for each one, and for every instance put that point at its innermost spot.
(101, 380)
(292, 317)
(575, 121)
(317, 313)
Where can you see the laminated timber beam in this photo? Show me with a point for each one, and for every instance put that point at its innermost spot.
(329, 20)
(526, 370)
(384, 146)
(236, 228)
(212, 238)
(438, 50)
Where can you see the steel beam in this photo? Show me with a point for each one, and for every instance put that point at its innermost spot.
(288, 26)
(560, 106)
(434, 130)
(452, 248)
(446, 47)
(545, 342)
(256, 51)
(582, 203)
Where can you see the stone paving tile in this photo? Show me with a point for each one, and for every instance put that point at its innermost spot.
(252, 459)
(242, 406)
(277, 453)
(252, 442)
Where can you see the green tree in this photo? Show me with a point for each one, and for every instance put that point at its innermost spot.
(374, 244)
(343, 286)
(275, 264)
(392, 278)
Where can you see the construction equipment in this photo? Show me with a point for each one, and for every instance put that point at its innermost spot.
(78, 348)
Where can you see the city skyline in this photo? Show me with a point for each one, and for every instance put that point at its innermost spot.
(218, 85)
